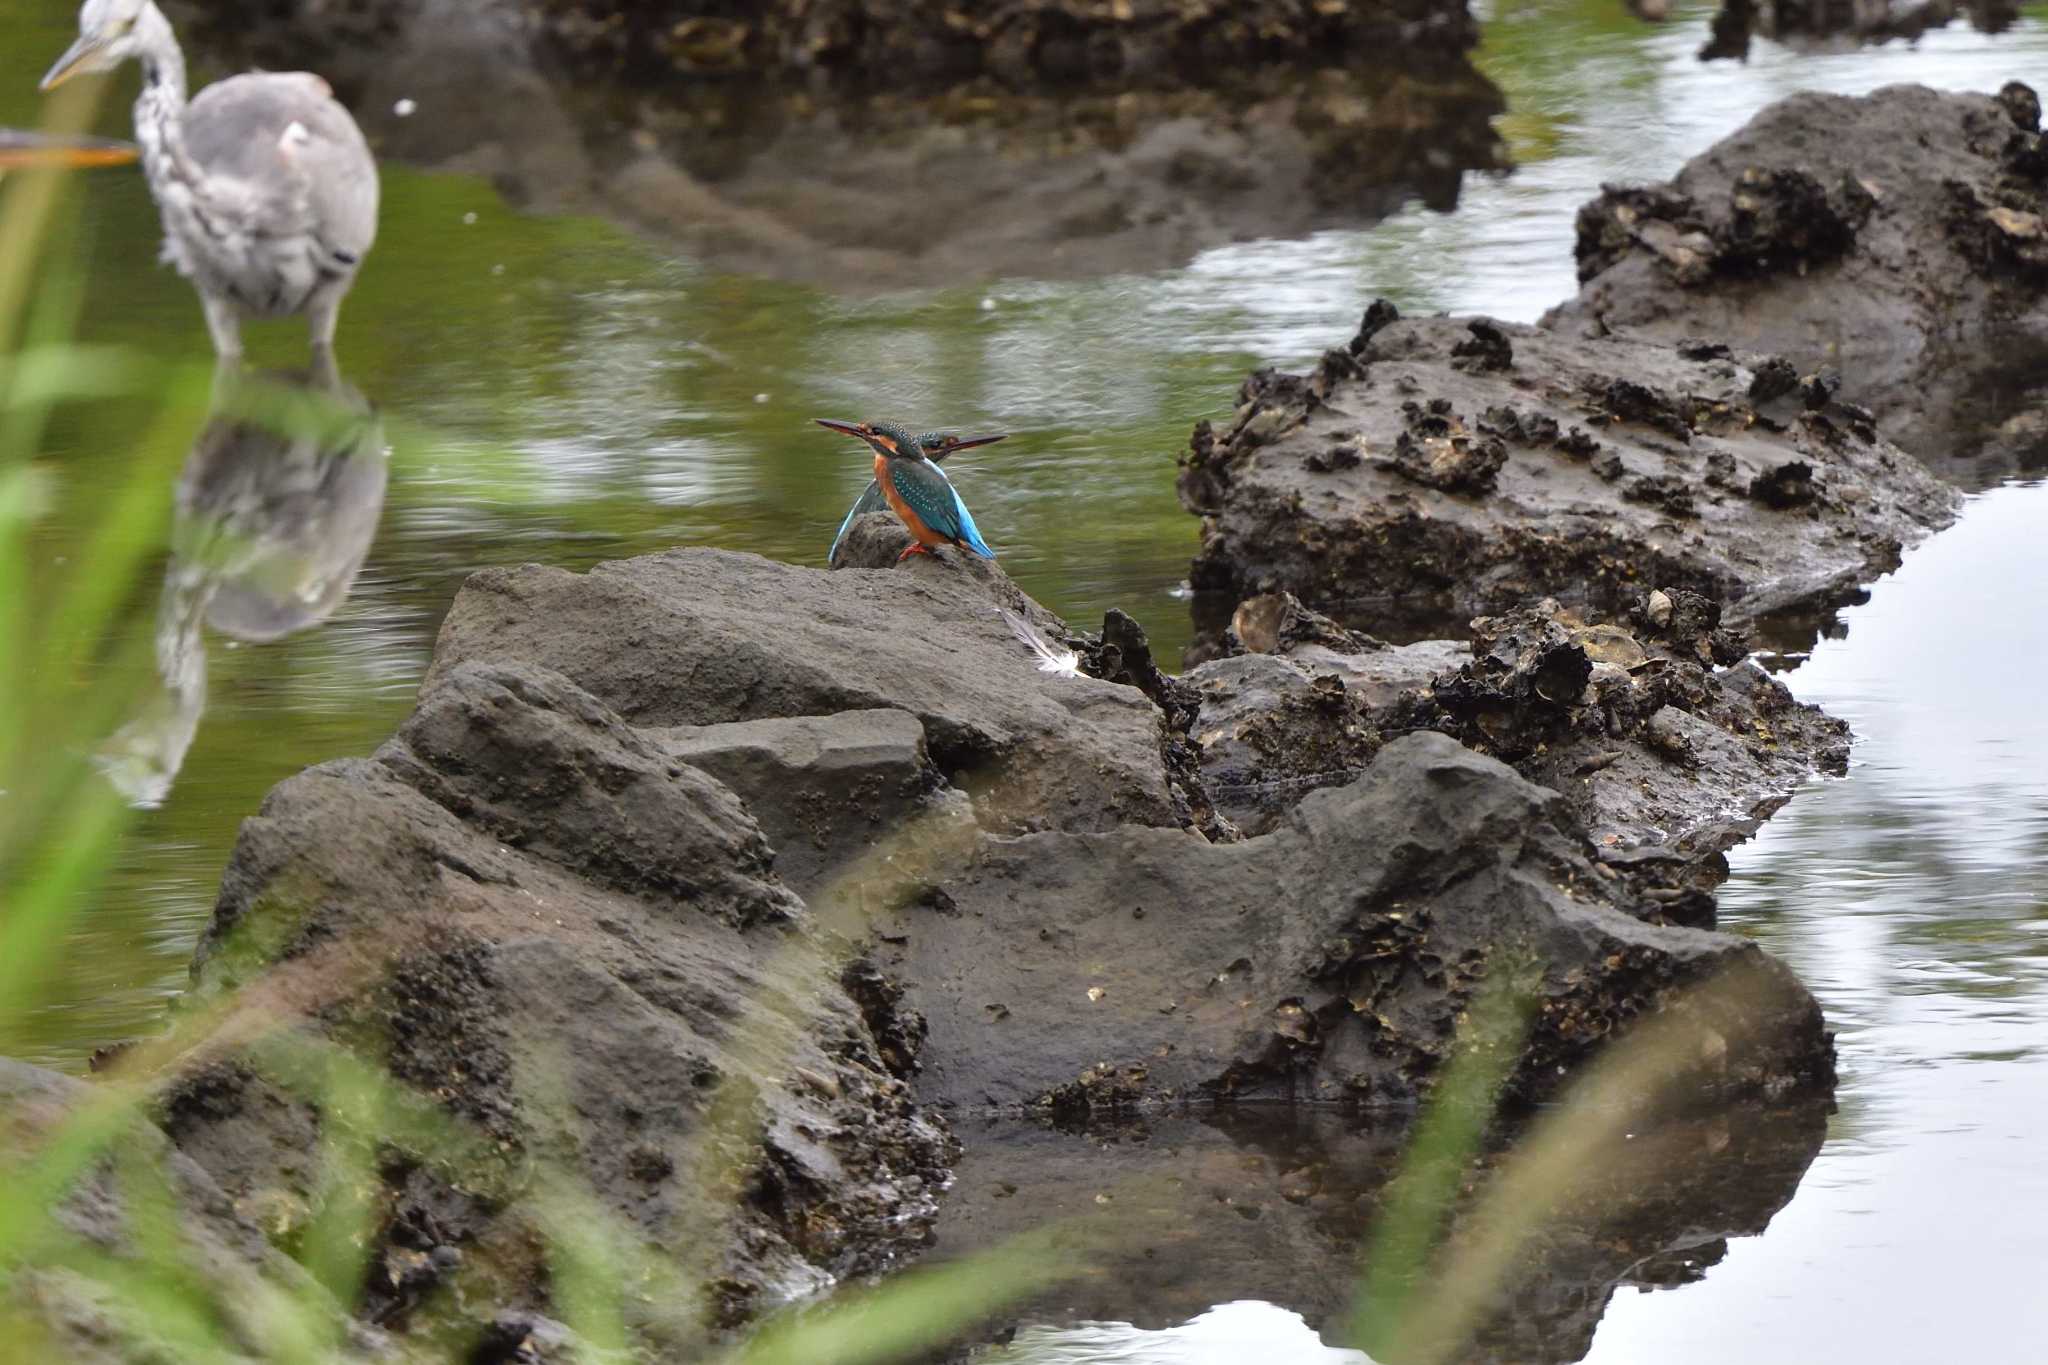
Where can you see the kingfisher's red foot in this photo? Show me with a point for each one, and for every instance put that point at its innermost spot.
(916, 548)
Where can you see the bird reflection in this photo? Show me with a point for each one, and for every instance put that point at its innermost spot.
(276, 507)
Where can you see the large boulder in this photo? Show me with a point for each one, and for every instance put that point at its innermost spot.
(1896, 239)
(1447, 467)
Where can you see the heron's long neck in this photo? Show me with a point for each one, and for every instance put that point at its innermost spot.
(162, 101)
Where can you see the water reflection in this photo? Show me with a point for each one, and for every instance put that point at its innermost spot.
(1913, 898)
(1265, 1211)
(276, 507)
(1227, 1334)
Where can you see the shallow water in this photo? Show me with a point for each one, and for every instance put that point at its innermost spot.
(559, 389)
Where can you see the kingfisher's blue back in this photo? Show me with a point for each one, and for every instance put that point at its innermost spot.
(927, 491)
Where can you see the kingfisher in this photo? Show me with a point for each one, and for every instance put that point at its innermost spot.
(910, 483)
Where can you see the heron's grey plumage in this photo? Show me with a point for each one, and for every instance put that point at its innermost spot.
(267, 190)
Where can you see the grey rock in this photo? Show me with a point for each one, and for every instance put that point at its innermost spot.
(228, 1274)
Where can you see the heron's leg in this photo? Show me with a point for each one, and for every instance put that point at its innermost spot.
(324, 371)
(323, 311)
(226, 326)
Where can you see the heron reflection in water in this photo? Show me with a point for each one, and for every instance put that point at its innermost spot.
(276, 507)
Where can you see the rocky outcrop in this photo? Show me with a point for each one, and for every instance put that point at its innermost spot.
(709, 886)
(1135, 42)
(1451, 467)
(1891, 244)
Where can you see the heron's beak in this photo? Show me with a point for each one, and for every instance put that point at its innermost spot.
(72, 62)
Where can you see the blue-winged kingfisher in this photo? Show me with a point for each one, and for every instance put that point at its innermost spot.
(910, 483)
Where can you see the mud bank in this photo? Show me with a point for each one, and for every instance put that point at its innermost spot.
(1895, 241)
(758, 170)
(702, 852)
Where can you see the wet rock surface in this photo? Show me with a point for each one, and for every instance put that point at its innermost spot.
(1891, 244)
(1463, 466)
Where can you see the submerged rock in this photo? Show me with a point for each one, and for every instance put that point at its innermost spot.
(1588, 469)
(1895, 238)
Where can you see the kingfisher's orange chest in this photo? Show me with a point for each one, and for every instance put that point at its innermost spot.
(924, 534)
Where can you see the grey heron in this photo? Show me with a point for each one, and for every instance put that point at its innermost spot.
(267, 189)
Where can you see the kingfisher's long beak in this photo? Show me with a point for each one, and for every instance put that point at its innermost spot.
(72, 62)
(970, 442)
(860, 431)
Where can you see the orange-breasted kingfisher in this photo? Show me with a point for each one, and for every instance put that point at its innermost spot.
(910, 483)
